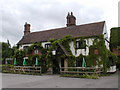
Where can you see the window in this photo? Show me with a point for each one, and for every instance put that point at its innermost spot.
(36, 51)
(81, 44)
(105, 33)
(25, 48)
(47, 46)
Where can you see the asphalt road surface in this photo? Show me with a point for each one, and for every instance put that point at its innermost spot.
(55, 81)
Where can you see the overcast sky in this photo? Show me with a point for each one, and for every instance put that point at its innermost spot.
(49, 14)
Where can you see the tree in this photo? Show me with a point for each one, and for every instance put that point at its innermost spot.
(19, 55)
(6, 51)
(115, 42)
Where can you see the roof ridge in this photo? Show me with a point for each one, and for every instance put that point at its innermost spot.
(48, 30)
(66, 27)
(92, 23)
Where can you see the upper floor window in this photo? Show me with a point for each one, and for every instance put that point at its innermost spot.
(81, 44)
(47, 46)
(36, 51)
(25, 48)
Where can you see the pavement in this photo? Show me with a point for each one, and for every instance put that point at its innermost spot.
(55, 81)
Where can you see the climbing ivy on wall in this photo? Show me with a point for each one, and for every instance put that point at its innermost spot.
(41, 58)
(19, 54)
(36, 46)
(65, 41)
(102, 58)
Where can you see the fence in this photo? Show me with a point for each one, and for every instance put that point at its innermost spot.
(26, 69)
(21, 69)
(80, 70)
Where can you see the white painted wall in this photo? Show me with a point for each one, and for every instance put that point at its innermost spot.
(22, 46)
(81, 51)
(43, 44)
(106, 36)
(112, 69)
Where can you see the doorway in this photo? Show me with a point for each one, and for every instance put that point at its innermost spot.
(56, 68)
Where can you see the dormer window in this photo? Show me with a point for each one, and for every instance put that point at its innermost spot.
(81, 44)
(48, 45)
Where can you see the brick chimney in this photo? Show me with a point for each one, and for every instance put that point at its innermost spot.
(26, 29)
(71, 20)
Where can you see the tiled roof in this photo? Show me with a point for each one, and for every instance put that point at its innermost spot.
(92, 29)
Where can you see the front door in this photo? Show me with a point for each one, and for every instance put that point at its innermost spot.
(56, 68)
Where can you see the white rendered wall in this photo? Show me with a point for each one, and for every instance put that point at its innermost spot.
(43, 45)
(81, 51)
(22, 46)
(106, 36)
(112, 69)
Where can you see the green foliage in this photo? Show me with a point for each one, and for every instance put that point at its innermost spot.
(103, 58)
(91, 59)
(42, 59)
(9, 69)
(19, 55)
(70, 75)
(92, 76)
(46, 59)
(6, 51)
(71, 61)
(49, 58)
(118, 47)
(6, 68)
(32, 60)
(36, 46)
(115, 42)
(65, 42)
(89, 76)
(79, 60)
(14, 49)
(115, 37)
(113, 59)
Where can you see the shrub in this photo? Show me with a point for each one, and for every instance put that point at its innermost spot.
(6, 68)
(92, 76)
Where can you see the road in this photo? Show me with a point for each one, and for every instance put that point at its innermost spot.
(55, 81)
